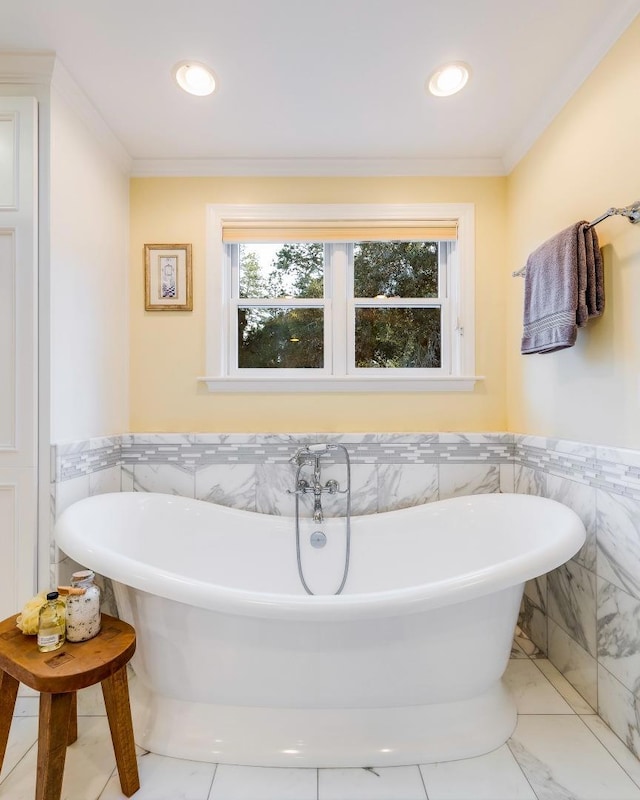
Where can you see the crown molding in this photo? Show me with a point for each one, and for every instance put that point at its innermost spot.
(78, 101)
(315, 167)
(43, 68)
(616, 22)
(27, 67)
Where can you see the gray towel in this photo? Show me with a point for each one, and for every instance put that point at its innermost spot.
(564, 288)
(594, 278)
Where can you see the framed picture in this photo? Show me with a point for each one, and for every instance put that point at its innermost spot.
(167, 277)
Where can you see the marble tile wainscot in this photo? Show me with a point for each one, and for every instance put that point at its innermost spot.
(79, 470)
(389, 471)
(585, 616)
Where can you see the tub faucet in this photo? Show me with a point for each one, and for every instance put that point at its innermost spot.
(317, 489)
(311, 454)
(317, 507)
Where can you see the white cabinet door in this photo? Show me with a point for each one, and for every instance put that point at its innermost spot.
(18, 351)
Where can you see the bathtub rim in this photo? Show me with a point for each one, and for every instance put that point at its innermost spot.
(388, 603)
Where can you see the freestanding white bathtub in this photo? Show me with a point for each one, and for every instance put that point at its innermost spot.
(236, 664)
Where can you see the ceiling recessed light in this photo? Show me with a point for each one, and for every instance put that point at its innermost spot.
(194, 77)
(449, 79)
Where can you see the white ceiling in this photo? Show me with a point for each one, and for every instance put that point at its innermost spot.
(322, 86)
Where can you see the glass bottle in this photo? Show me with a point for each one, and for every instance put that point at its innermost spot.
(51, 624)
(83, 609)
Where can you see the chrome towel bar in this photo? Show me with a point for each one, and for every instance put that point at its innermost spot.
(631, 212)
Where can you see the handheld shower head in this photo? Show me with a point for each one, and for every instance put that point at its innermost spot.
(314, 451)
(320, 448)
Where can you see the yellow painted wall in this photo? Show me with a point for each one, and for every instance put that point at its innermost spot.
(586, 161)
(168, 349)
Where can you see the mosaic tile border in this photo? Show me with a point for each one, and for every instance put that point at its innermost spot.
(70, 461)
(191, 451)
(194, 454)
(615, 470)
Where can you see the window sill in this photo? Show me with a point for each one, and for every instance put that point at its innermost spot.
(352, 384)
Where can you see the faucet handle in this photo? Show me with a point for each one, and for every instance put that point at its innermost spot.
(301, 488)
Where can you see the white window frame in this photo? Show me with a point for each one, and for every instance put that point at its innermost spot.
(458, 370)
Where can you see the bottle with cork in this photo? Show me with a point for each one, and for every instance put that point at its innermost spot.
(83, 606)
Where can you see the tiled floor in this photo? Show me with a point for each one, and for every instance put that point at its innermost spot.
(560, 750)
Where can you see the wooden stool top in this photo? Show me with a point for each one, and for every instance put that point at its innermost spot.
(74, 665)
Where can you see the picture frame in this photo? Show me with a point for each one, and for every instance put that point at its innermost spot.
(168, 277)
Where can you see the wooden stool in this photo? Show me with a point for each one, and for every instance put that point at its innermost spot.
(57, 676)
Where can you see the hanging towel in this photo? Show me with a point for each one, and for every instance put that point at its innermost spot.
(590, 277)
(564, 288)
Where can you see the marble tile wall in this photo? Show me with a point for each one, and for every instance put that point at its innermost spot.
(255, 472)
(584, 615)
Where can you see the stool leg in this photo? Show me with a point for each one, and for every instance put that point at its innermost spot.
(116, 699)
(8, 693)
(73, 719)
(53, 733)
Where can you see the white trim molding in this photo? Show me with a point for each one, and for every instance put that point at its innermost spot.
(460, 375)
(316, 167)
(30, 68)
(43, 68)
(350, 384)
(618, 18)
(77, 100)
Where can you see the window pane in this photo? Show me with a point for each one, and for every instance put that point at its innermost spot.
(281, 270)
(395, 269)
(285, 338)
(398, 337)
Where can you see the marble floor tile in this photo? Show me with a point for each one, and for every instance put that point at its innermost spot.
(494, 776)
(22, 736)
(554, 754)
(264, 783)
(163, 778)
(89, 764)
(399, 783)
(563, 760)
(627, 760)
(91, 701)
(531, 691)
(27, 707)
(26, 691)
(559, 682)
